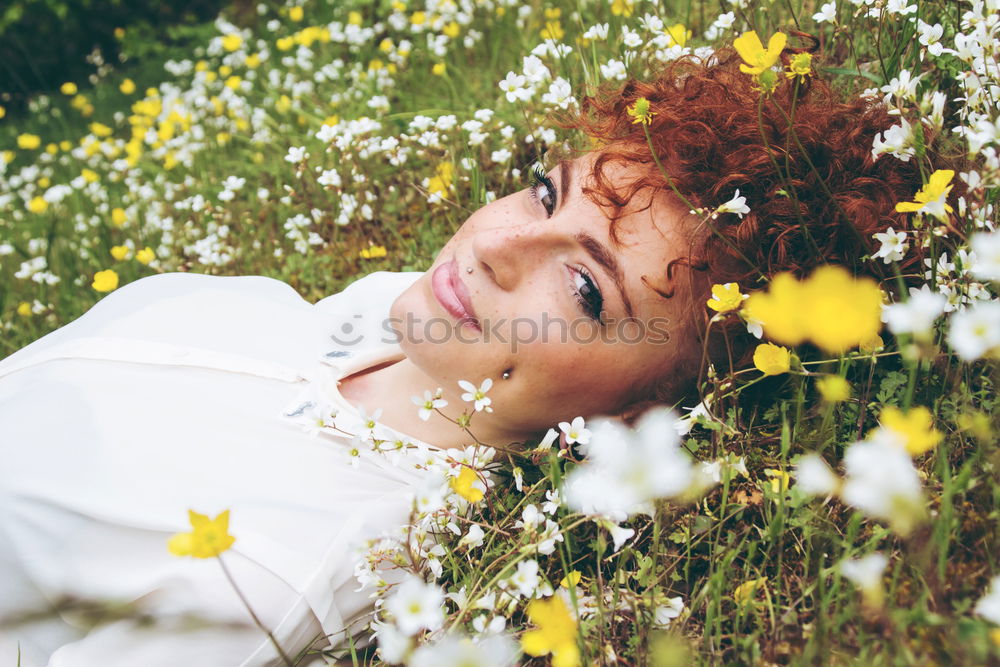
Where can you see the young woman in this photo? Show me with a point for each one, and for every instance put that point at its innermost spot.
(581, 295)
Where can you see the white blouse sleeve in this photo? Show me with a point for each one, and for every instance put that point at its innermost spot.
(168, 395)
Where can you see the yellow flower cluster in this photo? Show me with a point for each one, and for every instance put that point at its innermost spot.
(831, 308)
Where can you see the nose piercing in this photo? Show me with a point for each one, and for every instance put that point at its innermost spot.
(468, 269)
(505, 375)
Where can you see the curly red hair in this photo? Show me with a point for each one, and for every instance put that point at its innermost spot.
(816, 194)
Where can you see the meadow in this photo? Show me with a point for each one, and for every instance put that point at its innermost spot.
(849, 514)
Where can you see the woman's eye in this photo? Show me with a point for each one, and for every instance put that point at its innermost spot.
(587, 294)
(544, 190)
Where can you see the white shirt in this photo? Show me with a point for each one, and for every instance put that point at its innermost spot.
(169, 394)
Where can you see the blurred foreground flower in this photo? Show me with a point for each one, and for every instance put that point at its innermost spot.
(208, 537)
(913, 430)
(831, 308)
(989, 605)
(416, 605)
(866, 574)
(555, 632)
(491, 651)
(627, 469)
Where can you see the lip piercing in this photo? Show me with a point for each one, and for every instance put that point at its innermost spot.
(468, 269)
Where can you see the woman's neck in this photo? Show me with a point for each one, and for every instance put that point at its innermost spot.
(390, 386)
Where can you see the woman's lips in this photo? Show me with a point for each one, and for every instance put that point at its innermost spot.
(452, 294)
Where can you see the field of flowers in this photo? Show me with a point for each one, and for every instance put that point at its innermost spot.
(850, 516)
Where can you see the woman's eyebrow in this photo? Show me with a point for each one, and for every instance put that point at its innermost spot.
(600, 254)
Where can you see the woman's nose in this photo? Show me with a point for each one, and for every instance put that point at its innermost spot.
(509, 252)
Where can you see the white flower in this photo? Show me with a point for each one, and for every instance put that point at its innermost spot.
(865, 572)
(975, 330)
(453, 651)
(416, 605)
(430, 495)
(575, 432)
(393, 645)
(667, 612)
(813, 476)
(898, 140)
(535, 70)
(986, 247)
(627, 469)
(614, 69)
(296, 154)
(826, 13)
(619, 534)
(329, 177)
(552, 501)
(500, 156)
(989, 605)
(477, 396)
(429, 403)
(513, 86)
(546, 443)
(882, 482)
(525, 580)
(916, 315)
(900, 7)
(737, 205)
(473, 538)
(598, 31)
(560, 93)
(894, 245)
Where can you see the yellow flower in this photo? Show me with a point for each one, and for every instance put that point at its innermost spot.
(3, 111)
(418, 18)
(145, 256)
(68, 88)
(105, 281)
(296, 14)
(640, 111)
(839, 311)
(119, 252)
(24, 309)
(552, 13)
(932, 197)
(284, 43)
(208, 537)
(914, 429)
(119, 33)
(373, 252)
(233, 82)
(678, 34)
(553, 30)
(118, 216)
(440, 183)
(623, 8)
(463, 485)
(746, 590)
(44, 182)
(725, 297)
(438, 69)
(232, 41)
(995, 637)
(101, 130)
(451, 30)
(772, 359)
(833, 388)
(779, 480)
(571, 579)
(800, 66)
(38, 205)
(89, 175)
(555, 632)
(28, 142)
(65, 145)
(831, 308)
(355, 18)
(252, 61)
(753, 53)
(51, 148)
(127, 87)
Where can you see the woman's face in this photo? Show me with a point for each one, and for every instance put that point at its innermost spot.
(551, 300)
